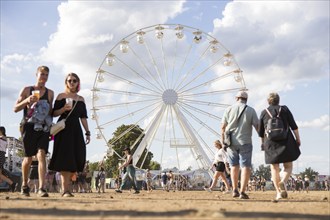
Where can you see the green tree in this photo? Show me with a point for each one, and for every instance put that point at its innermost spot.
(263, 171)
(93, 166)
(129, 139)
(154, 165)
(310, 173)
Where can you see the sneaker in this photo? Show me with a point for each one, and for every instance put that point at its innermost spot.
(118, 191)
(42, 193)
(25, 191)
(207, 189)
(243, 196)
(227, 192)
(284, 193)
(13, 187)
(235, 193)
(136, 192)
(67, 194)
(278, 196)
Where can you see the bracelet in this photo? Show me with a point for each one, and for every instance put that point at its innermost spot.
(88, 133)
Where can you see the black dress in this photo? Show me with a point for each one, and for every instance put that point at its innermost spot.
(69, 152)
(279, 151)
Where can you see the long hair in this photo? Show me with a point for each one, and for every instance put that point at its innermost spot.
(78, 81)
(218, 143)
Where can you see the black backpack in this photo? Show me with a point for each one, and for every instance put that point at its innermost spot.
(275, 129)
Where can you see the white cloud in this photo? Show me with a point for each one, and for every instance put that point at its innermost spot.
(275, 40)
(186, 160)
(319, 163)
(88, 30)
(321, 123)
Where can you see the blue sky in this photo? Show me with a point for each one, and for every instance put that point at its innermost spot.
(281, 46)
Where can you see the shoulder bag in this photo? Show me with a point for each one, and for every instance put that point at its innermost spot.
(228, 133)
(60, 125)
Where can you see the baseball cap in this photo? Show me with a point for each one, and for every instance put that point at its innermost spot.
(242, 94)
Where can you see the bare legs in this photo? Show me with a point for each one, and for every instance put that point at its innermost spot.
(41, 167)
(245, 176)
(216, 175)
(66, 180)
(287, 171)
(278, 182)
(6, 179)
(25, 170)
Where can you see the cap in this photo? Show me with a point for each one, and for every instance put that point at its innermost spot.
(3, 130)
(242, 94)
(126, 148)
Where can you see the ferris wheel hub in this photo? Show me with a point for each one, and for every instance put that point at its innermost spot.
(170, 97)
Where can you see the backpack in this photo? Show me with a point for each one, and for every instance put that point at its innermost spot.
(275, 129)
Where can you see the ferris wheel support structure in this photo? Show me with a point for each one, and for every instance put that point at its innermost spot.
(202, 159)
(149, 135)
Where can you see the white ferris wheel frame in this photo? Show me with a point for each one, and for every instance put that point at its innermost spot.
(170, 95)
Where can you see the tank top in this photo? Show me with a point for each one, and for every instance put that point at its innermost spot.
(131, 162)
(45, 96)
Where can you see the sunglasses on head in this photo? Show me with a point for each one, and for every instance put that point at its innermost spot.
(72, 81)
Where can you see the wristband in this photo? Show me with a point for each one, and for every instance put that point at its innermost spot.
(88, 133)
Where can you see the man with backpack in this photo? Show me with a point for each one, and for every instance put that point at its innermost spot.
(238, 120)
(278, 142)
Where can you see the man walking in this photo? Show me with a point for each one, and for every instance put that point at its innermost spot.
(238, 119)
(36, 101)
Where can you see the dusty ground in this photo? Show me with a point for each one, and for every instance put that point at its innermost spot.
(165, 205)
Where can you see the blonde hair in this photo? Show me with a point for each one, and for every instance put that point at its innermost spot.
(218, 143)
(78, 81)
(273, 98)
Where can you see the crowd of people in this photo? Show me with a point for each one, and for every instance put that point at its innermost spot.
(68, 170)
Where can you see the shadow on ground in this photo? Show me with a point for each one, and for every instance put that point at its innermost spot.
(85, 213)
(263, 215)
(181, 213)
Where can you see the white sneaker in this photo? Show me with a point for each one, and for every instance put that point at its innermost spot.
(207, 189)
(278, 196)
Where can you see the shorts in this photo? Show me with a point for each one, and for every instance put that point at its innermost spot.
(240, 155)
(34, 140)
(220, 167)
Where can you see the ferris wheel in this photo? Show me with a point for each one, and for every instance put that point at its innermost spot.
(174, 82)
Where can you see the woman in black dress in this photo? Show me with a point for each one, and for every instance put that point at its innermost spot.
(69, 153)
(280, 151)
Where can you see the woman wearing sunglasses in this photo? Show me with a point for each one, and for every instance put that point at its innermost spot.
(69, 152)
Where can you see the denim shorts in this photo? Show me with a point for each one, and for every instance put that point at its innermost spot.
(240, 155)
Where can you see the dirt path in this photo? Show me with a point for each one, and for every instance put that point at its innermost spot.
(164, 205)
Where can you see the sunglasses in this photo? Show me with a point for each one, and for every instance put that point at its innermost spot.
(72, 81)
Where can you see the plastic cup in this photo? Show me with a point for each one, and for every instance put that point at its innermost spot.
(36, 93)
(69, 101)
